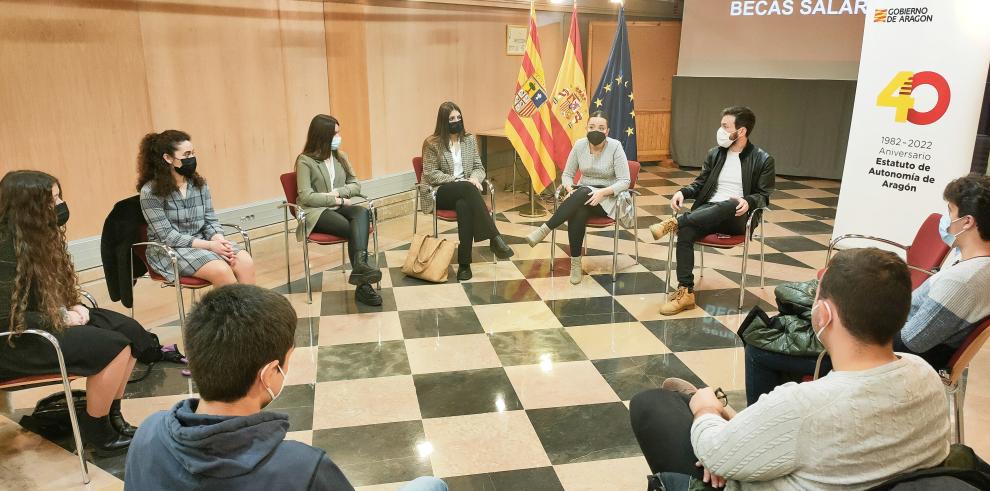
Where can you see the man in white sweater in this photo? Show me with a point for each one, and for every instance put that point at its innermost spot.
(876, 415)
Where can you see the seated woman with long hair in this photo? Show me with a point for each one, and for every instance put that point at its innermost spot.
(39, 290)
(327, 184)
(452, 163)
(178, 207)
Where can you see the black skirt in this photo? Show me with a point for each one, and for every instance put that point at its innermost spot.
(87, 349)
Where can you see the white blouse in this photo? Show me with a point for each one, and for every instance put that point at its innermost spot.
(455, 153)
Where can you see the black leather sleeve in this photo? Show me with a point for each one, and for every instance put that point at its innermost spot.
(765, 184)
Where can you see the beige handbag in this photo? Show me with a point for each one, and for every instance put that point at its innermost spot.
(429, 258)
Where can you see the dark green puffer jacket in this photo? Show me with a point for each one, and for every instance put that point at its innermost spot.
(790, 331)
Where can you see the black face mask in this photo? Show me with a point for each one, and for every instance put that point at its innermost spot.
(61, 213)
(455, 126)
(596, 137)
(188, 167)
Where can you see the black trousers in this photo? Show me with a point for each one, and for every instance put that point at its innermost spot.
(474, 223)
(576, 213)
(707, 219)
(352, 222)
(765, 370)
(661, 421)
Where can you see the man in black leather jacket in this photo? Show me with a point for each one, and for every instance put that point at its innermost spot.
(736, 179)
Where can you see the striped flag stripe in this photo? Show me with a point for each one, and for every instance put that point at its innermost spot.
(531, 151)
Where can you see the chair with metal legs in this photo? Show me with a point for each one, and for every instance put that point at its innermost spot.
(47, 379)
(290, 187)
(604, 222)
(190, 283)
(720, 241)
(956, 374)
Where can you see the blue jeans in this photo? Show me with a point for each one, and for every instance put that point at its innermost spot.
(425, 483)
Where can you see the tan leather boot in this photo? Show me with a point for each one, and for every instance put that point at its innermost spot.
(667, 226)
(680, 301)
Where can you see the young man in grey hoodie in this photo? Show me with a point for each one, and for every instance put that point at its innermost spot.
(239, 340)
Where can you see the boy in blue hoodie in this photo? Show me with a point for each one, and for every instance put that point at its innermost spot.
(239, 340)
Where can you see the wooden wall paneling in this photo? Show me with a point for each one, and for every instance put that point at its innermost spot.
(74, 99)
(420, 57)
(654, 133)
(304, 67)
(412, 68)
(347, 75)
(215, 71)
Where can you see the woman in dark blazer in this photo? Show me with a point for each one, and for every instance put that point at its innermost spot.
(451, 163)
(326, 184)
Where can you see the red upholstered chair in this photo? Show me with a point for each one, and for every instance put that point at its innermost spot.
(955, 375)
(606, 221)
(62, 376)
(191, 283)
(439, 214)
(924, 256)
(719, 241)
(291, 189)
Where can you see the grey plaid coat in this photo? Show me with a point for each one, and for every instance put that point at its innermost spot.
(176, 221)
(438, 166)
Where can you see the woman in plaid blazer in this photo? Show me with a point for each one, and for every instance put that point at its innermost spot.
(452, 164)
(177, 205)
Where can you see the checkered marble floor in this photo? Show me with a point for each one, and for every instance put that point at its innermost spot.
(516, 379)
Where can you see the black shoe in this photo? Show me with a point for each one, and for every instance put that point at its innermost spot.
(500, 248)
(362, 273)
(464, 272)
(367, 295)
(100, 435)
(118, 422)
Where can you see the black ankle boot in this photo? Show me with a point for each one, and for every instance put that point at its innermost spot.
(118, 422)
(500, 248)
(464, 272)
(367, 295)
(100, 435)
(362, 273)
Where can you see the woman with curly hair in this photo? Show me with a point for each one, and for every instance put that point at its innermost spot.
(39, 290)
(179, 210)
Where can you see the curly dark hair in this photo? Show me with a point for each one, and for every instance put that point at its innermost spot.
(27, 212)
(972, 195)
(155, 169)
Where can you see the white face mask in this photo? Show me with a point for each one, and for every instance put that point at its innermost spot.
(269, 389)
(819, 329)
(335, 142)
(722, 136)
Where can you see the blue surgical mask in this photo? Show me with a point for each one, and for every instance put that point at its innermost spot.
(943, 229)
(335, 143)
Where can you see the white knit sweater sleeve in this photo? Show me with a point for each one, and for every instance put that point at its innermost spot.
(759, 444)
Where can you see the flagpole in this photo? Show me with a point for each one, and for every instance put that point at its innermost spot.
(533, 213)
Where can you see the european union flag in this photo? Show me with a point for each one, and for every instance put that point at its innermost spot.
(614, 95)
